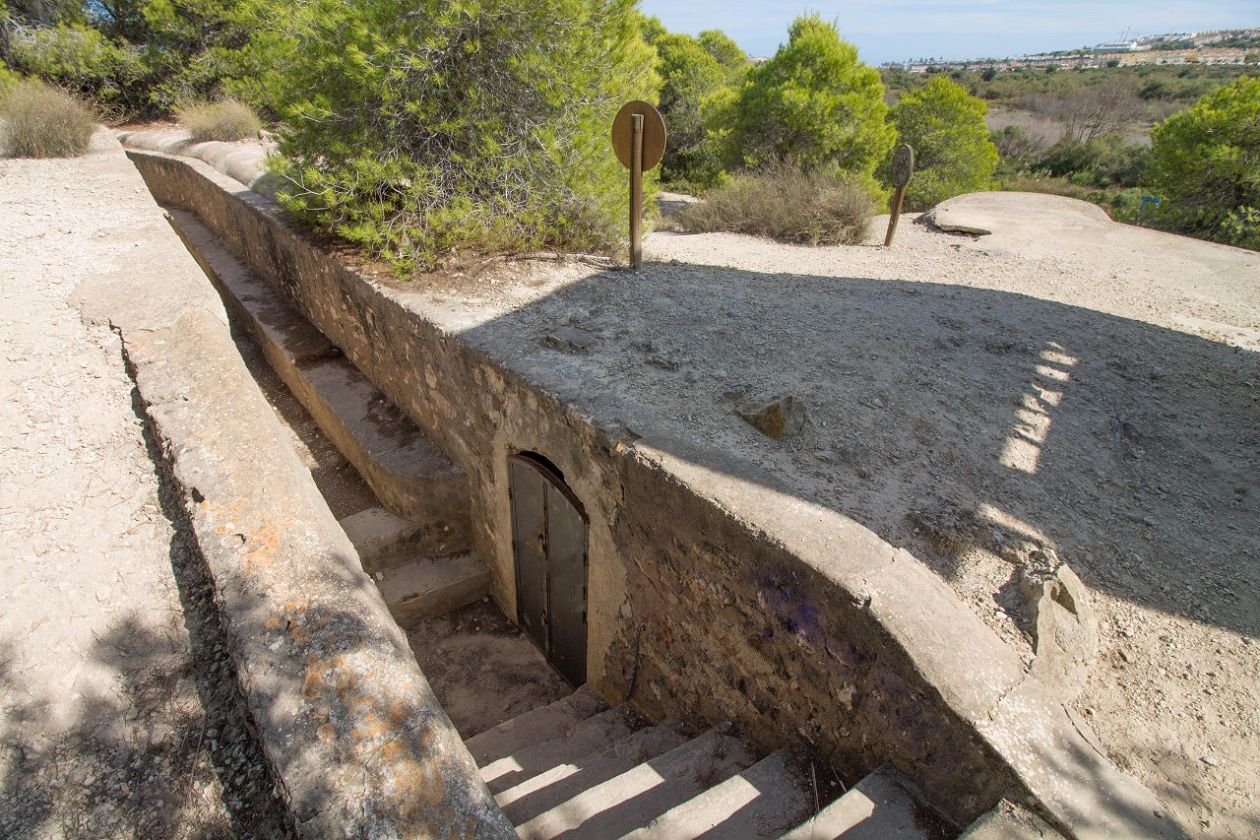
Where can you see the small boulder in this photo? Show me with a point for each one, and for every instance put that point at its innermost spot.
(779, 417)
(1063, 626)
(570, 340)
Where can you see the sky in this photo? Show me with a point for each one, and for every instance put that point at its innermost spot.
(894, 30)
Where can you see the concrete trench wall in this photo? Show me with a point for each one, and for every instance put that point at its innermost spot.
(357, 743)
(712, 596)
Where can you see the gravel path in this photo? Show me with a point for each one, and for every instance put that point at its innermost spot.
(119, 715)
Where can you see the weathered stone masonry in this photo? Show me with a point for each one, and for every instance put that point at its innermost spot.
(712, 596)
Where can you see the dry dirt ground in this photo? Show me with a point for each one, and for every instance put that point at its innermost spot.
(1066, 390)
(119, 713)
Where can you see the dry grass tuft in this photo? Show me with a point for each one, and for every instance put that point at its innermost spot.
(226, 119)
(781, 202)
(38, 120)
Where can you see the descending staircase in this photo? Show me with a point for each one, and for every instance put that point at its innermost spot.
(416, 545)
(579, 769)
(575, 768)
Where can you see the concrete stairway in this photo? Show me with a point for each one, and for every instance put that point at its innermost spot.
(579, 769)
(416, 546)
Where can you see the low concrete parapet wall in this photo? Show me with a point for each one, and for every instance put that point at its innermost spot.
(712, 595)
(357, 742)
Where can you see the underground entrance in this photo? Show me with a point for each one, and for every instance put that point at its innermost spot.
(549, 547)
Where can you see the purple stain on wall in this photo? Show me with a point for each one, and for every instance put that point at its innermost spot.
(792, 612)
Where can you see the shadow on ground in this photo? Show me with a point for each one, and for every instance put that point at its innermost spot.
(944, 418)
(172, 754)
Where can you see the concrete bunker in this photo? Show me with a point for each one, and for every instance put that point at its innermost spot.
(714, 597)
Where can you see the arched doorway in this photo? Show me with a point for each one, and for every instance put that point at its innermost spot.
(549, 528)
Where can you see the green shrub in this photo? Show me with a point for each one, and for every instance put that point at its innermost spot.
(1205, 163)
(953, 152)
(226, 119)
(1105, 161)
(1242, 227)
(38, 120)
(782, 202)
(1018, 151)
(726, 52)
(690, 76)
(421, 129)
(79, 59)
(7, 77)
(813, 104)
(193, 49)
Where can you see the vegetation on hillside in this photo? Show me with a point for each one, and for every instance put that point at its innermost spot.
(1100, 118)
(422, 130)
(1162, 86)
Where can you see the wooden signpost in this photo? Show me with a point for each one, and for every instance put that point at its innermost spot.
(638, 137)
(902, 170)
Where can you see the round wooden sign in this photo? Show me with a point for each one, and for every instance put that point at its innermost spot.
(903, 166)
(653, 134)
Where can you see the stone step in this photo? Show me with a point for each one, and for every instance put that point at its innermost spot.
(548, 790)
(759, 803)
(583, 740)
(385, 541)
(406, 470)
(430, 586)
(630, 800)
(883, 806)
(1008, 821)
(555, 720)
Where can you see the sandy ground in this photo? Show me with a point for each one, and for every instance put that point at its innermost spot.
(119, 714)
(1066, 390)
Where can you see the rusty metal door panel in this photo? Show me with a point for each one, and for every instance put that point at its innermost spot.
(566, 591)
(529, 523)
(549, 534)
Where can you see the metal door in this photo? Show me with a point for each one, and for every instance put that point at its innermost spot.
(549, 545)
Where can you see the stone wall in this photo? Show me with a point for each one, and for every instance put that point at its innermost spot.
(712, 595)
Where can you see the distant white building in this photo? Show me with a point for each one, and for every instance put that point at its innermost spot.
(1117, 47)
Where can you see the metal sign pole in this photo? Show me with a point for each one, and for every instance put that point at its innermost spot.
(636, 192)
(638, 138)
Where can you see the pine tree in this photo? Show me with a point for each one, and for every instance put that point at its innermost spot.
(953, 152)
(813, 104)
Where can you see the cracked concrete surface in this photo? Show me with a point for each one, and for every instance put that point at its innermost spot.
(118, 713)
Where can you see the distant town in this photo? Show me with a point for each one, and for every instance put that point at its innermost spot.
(1222, 47)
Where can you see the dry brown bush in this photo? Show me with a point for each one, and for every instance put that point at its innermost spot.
(781, 202)
(227, 120)
(1089, 112)
(38, 120)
